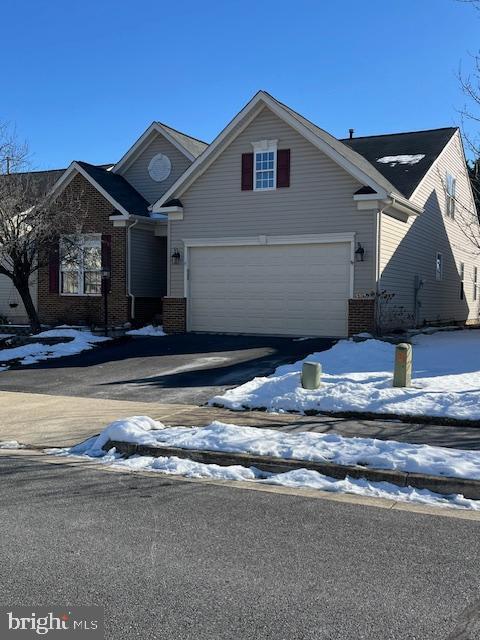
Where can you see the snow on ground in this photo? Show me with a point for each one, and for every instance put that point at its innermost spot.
(143, 429)
(11, 444)
(218, 436)
(149, 330)
(402, 159)
(358, 377)
(36, 351)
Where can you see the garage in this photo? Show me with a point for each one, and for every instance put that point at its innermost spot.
(277, 287)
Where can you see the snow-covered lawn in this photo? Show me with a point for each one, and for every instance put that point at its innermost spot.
(301, 446)
(358, 377)
(36, 351)
(149, 330)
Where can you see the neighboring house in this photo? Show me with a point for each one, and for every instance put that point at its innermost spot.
(118, 235)
(280, 228)
(11, 306)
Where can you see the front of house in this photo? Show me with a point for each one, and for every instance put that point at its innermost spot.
(275, 228)
(282, 229)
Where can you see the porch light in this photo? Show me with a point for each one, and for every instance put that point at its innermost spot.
(359, 253)
(176, 257)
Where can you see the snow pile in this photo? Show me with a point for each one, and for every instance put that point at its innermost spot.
(218, 436)
(149, 330)
(36, 351)
(309, 446)
(358, 377)
(11, 444)
(402, 159)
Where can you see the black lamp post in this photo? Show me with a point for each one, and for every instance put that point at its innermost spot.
(105, 281)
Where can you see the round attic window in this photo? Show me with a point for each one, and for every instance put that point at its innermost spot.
(159, 167)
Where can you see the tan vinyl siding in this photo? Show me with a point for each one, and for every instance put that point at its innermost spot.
(9, 294)
(137, 174)
(318, 201)
(409, 249)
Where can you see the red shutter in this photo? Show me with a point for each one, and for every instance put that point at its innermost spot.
(283, 168)
(107, 261)
(247, 171)
(54, 269)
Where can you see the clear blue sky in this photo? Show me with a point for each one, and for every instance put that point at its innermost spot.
(82, 80)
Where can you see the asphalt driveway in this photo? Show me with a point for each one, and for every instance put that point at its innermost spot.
(187, 369)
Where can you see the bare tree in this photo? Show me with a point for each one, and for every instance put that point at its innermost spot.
(31, 218)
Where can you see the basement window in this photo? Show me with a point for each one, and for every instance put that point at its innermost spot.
(81, 265)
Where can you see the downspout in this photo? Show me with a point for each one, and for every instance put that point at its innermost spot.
(378, 266)
(129, 269)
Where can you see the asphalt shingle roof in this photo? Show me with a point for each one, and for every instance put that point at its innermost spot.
(193, 145)
(118, 188)
(404, 175)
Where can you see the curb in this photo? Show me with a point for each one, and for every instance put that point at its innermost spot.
(364, 415)
(439, 484)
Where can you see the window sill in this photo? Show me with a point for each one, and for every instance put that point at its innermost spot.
(80, 295)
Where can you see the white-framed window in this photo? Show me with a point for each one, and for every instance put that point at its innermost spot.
(451, 187)
(439, 267)
(475, 283)
(81, 265)
(461, 273)
(265, 165)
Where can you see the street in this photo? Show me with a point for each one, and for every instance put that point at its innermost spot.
(192, 560)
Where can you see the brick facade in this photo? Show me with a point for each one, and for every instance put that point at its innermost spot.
(361, 315)
(174, 315)
(148, 310)
(88, 310)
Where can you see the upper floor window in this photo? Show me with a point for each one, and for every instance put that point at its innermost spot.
(451, 185)
(265, 165)
(439, 267)
(461, 273)
(81, 265)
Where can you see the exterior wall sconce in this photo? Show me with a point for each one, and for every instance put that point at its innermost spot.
(359, 253)
(176, 256)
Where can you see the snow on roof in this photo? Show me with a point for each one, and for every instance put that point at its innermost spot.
(402, 159)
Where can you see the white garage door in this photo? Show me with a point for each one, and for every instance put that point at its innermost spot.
(296, 289)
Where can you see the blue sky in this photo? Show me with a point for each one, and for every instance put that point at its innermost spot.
(94, 74)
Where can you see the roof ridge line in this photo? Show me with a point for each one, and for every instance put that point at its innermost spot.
(182, 133)
(399, 133)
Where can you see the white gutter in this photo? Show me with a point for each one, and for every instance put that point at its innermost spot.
(129, 267)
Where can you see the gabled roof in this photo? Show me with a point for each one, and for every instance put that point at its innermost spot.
(189, 146)
(194, 145)
(405, 157)
(120, 193)
(354, 163)
(118, 188)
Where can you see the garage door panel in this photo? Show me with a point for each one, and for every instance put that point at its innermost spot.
(282, 289)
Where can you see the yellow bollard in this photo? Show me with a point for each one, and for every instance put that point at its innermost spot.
(402, 375)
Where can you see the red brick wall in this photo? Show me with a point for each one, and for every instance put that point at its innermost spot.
(58, 309)
(174, 315)
(361, 315)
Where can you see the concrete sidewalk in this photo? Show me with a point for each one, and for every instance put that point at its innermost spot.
(57, 421)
